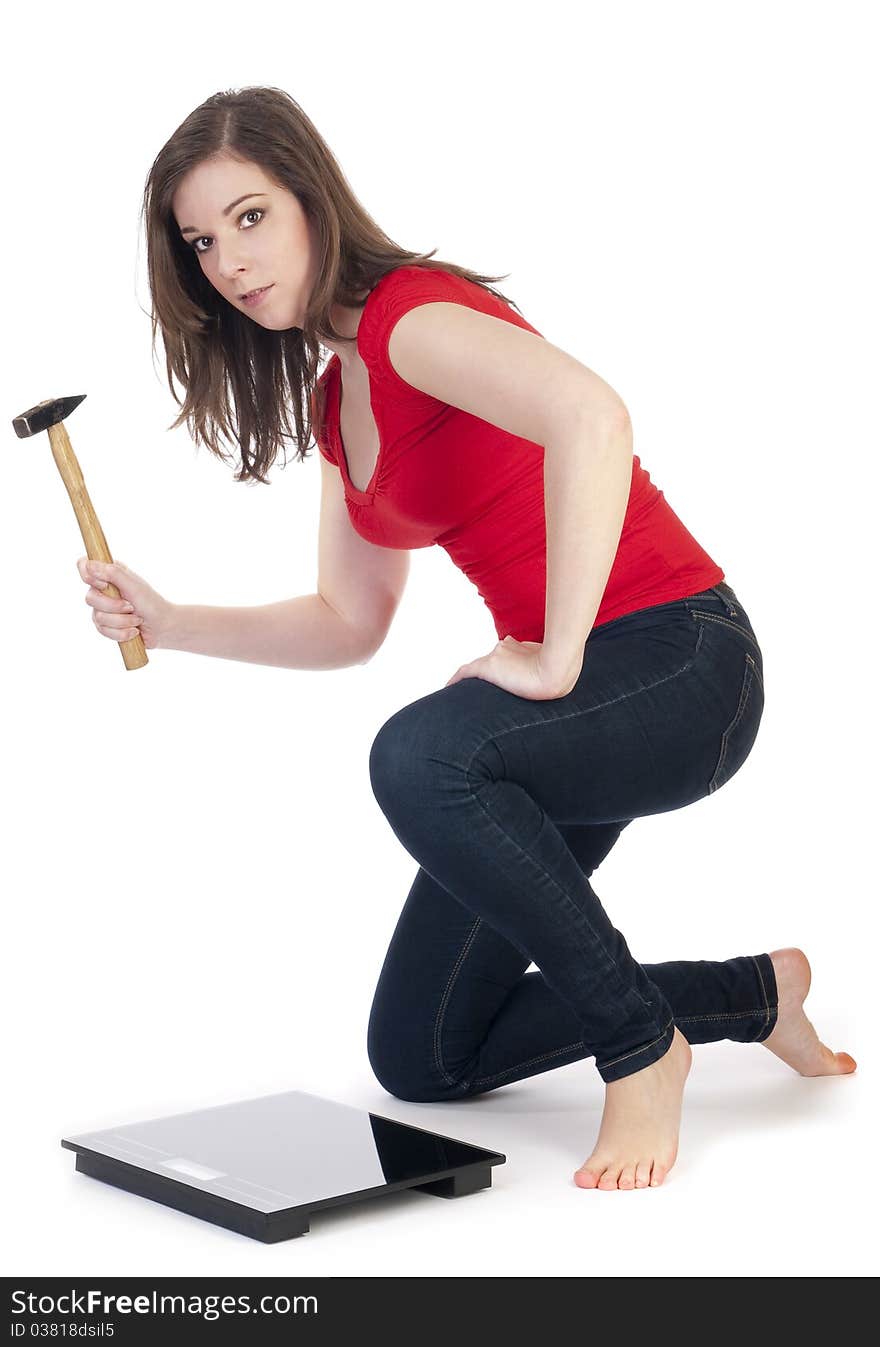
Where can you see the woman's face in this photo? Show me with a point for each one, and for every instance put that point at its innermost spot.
(265, 239)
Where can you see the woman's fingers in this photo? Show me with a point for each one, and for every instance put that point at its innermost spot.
(114, 617)
(118, 626)
(130, 605)
(96, 598)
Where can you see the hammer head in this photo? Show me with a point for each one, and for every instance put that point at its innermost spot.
(44, 415)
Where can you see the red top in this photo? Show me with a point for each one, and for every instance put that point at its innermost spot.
(445, 476)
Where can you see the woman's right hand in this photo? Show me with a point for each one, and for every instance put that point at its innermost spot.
(139, 610)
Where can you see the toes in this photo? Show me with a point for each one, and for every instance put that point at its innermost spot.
(600, 1174)
(627, 1177)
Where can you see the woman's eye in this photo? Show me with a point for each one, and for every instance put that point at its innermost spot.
(254, 210)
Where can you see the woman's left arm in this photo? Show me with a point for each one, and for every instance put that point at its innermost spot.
(524, 384)
(587, 479)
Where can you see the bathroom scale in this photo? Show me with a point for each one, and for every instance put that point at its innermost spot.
(262, 1166)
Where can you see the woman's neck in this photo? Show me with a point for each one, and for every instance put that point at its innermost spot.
(346, 321)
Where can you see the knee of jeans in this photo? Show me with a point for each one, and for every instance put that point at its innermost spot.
(386, 759)
(401, 1071)
(404, 759)
(420, 751)
(413, 1086)
(413, 1091)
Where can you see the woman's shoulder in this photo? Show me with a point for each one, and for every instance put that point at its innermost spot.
(411, 279)
(404, 288)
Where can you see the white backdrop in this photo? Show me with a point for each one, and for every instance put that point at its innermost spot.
(198, 884)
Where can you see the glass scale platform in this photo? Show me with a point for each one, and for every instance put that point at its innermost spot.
(263, 1166)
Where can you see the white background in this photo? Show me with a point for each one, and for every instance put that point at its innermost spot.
(198, 884)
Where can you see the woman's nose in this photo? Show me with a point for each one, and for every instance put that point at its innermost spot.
(232, 264)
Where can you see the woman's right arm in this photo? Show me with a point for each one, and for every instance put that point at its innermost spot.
(300, 633)
(359, 588)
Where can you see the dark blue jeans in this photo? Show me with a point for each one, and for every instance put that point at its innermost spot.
(508, 805)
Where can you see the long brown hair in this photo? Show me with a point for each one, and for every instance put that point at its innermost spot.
(239, 378)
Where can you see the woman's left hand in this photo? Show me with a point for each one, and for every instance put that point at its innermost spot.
(517, 666)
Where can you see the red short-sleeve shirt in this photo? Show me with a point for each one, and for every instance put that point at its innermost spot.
(445, 476)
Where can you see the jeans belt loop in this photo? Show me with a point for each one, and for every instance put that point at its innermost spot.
(720, 591)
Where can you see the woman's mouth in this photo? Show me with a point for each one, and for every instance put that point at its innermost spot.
(254, 296)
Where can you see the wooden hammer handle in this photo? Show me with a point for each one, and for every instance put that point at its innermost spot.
(134, 652)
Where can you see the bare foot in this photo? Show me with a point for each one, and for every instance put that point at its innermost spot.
(793, 1038)
(638, 1136)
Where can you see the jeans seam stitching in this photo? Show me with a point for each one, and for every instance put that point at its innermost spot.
(570, 1047)
(609, 962)
(438, 1056)
(763, 993)
(557, 1052)
(588, 710)
(636, 1051)
(725, 622)
(744, 694)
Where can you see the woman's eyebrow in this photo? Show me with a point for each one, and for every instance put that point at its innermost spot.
(191, 229)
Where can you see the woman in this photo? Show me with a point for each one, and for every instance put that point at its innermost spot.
(627, 679)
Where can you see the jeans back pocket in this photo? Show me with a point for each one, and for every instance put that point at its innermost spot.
(739, 737)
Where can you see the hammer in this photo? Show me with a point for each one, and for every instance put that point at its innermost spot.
(48, 416)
